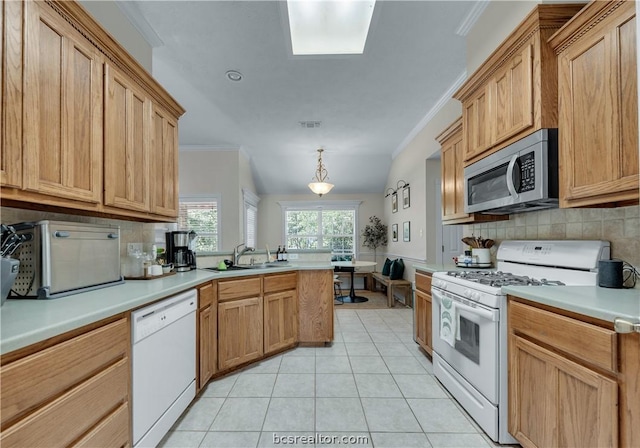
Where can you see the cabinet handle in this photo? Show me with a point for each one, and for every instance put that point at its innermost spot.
(625, 326)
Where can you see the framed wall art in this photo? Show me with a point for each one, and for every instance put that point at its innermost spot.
(394, 232)
(406, 201)
(394, 202)
(406, 231)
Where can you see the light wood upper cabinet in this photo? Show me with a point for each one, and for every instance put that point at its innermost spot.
(452, 178)
(514, 93)
(63, 108)
(11, 93)
(598, 105)
(127, 143)
(164, 163)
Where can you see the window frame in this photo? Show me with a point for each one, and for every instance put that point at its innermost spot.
(250, 201)
(324, 206)
(213, 197)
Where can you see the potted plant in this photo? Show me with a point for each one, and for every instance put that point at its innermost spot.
(374, 235)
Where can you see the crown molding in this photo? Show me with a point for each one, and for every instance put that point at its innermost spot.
(432, 113)
(470, 20)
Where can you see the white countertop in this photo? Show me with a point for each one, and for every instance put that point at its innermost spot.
(602, 303)
(26, 321)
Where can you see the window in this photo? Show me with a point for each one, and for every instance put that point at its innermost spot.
(200, 214)
(250, 218)
(330, 226)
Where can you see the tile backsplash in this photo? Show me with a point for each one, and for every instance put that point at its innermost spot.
(620, 226)
(130, 231)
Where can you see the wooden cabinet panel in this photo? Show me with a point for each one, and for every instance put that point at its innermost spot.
(452, 179)
(280, 282)
(11, 93)
(556, 402)
(207, 332)
(33, 379)
(512, 94)
(46, 427)
(111, 432)
(280, 321)
(164, 164)
(127, 144)
(240, 331)
(476, 114)
(598, 106)
(63, 132)
(567, 334)
(423, 326)
(241, 287)
(315, 306)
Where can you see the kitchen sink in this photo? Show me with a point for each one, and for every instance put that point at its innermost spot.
(231, 268)
(241, 267)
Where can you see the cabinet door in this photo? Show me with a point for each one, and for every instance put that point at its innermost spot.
(164, 164)
(476, 126)
(556, 402)
(599, 114)
(207, 344)
(453, 179)
(280, 321)
(126, 152)
(63, 135)
(423, 323)
(11, 94)
(512, 95)
(315, 306)
(240, 331)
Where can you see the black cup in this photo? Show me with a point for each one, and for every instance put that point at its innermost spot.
(610, 273)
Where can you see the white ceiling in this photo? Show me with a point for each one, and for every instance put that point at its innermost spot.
(369, 105)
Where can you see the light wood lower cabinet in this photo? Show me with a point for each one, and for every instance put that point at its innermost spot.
(207, 332)
(422, 312)
(563, 380)
(315, 306)
(240, 331)
(72, 392)
(280, 321)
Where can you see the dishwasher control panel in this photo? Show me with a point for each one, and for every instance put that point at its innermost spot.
(153, 318)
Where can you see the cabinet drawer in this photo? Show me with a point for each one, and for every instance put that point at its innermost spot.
(423, 282)
(280, 282)
(113, 431)
(35, 379)
(234, 289)
(590, 343)
(66, 418)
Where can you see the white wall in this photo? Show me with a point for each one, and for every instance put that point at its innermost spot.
(117, 24)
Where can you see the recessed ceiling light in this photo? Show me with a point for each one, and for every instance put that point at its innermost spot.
(234, 75)
(329, 27)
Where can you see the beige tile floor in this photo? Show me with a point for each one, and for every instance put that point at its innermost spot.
(372, 388)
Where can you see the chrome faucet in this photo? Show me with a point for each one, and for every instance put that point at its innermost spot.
(237, 255)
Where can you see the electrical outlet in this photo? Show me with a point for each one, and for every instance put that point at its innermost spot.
(293, 256)
(133, 248)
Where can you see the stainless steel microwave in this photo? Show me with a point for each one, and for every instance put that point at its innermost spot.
(518, 178)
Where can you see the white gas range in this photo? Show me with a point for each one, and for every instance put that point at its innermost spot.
(470, 325)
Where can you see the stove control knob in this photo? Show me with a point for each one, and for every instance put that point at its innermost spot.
(440, 284)
(475, 295)
(467, 293)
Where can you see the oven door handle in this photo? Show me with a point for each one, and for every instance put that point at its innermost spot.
(510, 185)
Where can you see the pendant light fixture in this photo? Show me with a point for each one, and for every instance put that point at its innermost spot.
(319, 186)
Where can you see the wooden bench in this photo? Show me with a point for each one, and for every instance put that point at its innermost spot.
(368, 283)
(391, 286)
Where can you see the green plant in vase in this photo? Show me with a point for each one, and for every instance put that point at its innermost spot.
(374, 235)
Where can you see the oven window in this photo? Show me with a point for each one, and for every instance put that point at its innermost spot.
(469, 342)
(488, 186)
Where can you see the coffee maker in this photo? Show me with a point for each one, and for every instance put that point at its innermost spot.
(180, 250)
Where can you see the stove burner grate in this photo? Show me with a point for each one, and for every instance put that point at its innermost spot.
(498, 279)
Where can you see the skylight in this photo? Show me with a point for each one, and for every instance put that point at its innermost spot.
(329, 26)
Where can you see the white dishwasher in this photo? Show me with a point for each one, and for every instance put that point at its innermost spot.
(164, 365)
